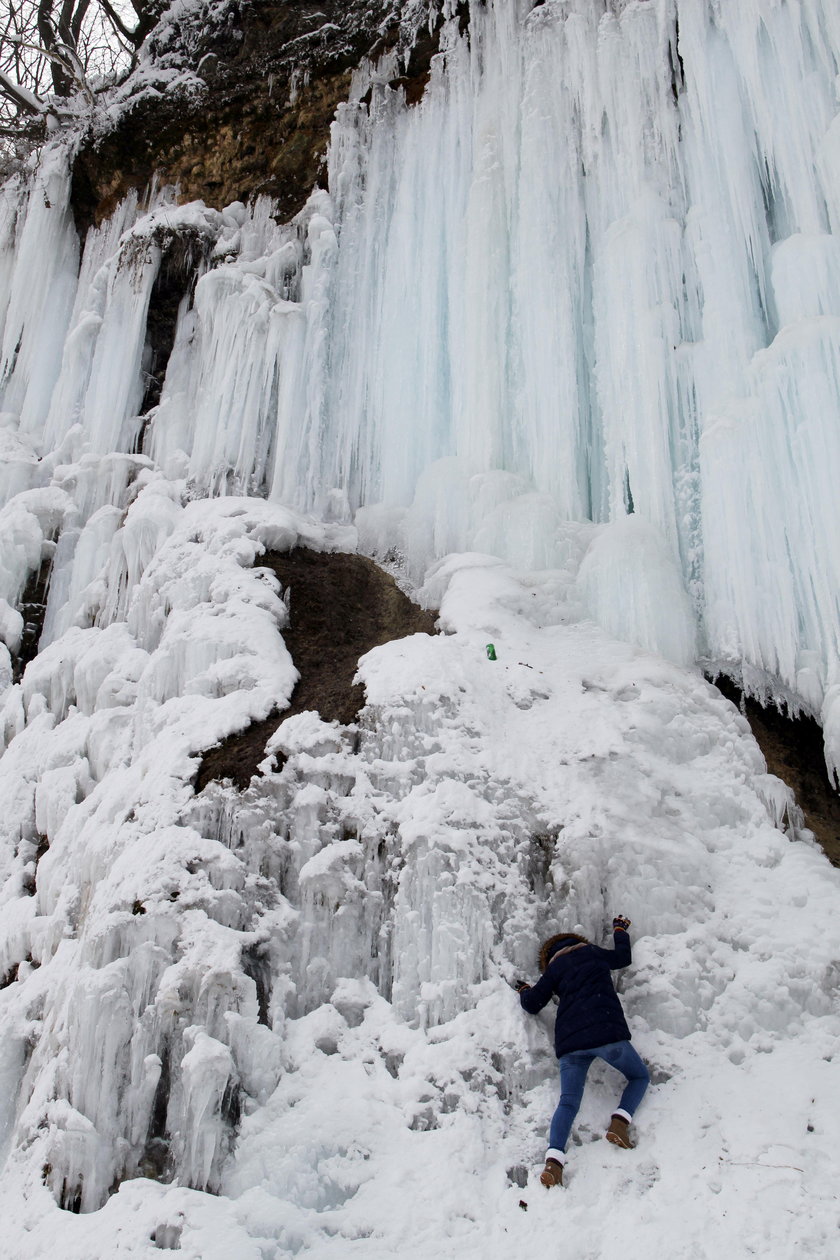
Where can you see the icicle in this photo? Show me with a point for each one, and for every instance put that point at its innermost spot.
(40, 294)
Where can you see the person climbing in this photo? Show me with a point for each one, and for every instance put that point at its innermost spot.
(590, 1024)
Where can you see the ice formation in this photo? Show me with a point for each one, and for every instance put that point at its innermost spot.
(622, 298)
(564, 336)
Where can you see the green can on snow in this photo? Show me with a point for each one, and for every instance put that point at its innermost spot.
(491, 652)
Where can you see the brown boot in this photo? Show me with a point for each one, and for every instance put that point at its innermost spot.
(552, 1174)
(619, 1133)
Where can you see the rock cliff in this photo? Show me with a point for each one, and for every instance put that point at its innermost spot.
(235, 100)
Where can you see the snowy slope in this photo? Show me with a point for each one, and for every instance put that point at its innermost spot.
(380, 889)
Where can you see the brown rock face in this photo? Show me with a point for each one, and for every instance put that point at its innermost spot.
(794, 751)
(341, 606)
(271, 77)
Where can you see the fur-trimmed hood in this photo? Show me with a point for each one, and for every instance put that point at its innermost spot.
(562, 940)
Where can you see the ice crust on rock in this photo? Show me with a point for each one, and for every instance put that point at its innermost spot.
(560, 344)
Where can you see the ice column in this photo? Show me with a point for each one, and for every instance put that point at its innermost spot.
(41, 286)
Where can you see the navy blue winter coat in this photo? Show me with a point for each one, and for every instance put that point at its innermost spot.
(589, 1012)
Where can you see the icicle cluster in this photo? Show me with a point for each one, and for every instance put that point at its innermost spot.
(621, 298)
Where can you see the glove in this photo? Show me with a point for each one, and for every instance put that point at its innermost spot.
(622, 922)
(519, 985)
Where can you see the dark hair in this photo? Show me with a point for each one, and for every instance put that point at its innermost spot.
(551, 946)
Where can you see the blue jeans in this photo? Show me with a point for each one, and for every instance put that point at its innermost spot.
(573, 1069)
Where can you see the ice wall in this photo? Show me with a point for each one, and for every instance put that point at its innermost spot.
(592, 273)
(564, 336)
(620, 293)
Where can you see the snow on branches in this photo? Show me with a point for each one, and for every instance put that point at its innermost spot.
(54, 54)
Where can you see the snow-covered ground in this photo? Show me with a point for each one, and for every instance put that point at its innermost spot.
(331, 948)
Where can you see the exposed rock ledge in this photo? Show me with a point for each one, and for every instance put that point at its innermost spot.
(267, 79)
(341, 605)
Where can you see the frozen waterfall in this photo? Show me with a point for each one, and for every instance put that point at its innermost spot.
(621, 297)
(561, 345)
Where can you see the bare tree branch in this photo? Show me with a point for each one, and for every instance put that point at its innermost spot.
(24, 99)
(117, 22)
(51, 50)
